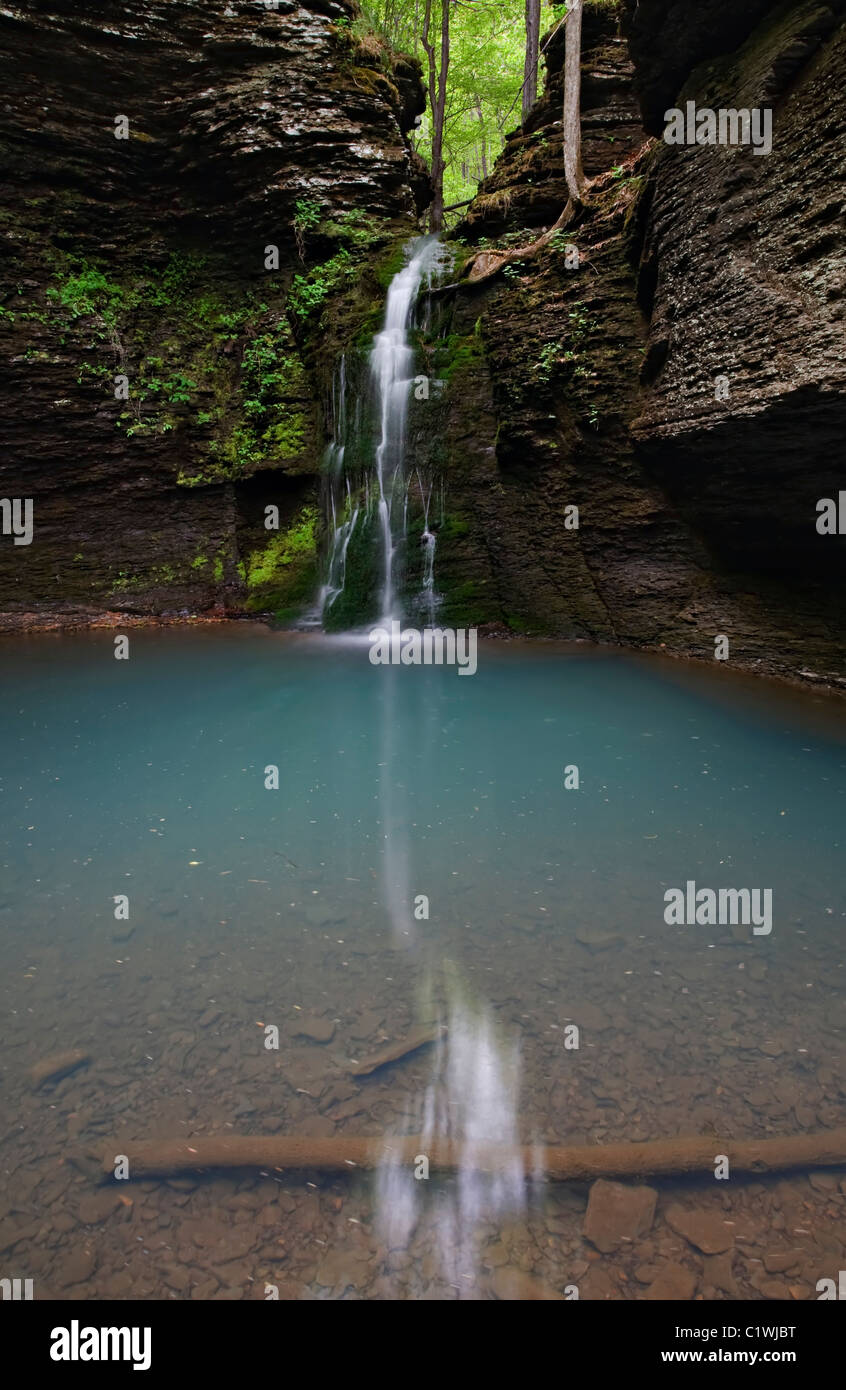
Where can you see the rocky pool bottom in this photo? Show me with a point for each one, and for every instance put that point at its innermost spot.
(252, 909)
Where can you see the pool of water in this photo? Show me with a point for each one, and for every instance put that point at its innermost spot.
(426, 861)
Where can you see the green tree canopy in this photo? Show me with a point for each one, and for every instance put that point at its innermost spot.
(485, 80)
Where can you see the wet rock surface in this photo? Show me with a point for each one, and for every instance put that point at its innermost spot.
(703, 1230)
(597, 387)
(618, 1214)
(317, 1236)
(753, 294)
(146, 257)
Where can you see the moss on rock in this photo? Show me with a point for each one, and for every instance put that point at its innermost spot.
(283, 574)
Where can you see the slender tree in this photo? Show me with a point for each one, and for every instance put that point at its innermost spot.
(487, 263)
(437, 103)
(482, 162)
(486, 61)
(530, 67)
(572, 113)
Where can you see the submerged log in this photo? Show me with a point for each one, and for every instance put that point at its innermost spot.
(54, 1068)
(392, 1052)
(166, 1157)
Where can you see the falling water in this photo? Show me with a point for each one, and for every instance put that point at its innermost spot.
(391, 371)
(427, 600)
(340, 531)
(341, 536)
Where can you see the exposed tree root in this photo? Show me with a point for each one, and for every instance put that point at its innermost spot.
(489, 262)
(485, 264)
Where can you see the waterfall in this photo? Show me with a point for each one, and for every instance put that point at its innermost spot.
(341, 535)
(381, 495)
(392, 371)
(427, 600)
(340, 531)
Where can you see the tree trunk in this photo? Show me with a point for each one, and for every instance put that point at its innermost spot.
(530, 67)
(488, 263)
(437, 101)
(572, 117)
(483, 144)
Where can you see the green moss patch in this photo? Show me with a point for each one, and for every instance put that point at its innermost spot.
(283, 574)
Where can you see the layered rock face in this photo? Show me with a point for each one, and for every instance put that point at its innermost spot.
(685, 387)
(527, 187)
(188, 184)
(748, 284)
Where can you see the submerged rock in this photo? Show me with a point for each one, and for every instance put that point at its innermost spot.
(515, 1284)
(709, 1233)
(393, 1051)
(599, 938)
(718, 1271)
(673, 1282)
(320, 1030)
(344, 1269)
(76, 1269)
(617, 1214)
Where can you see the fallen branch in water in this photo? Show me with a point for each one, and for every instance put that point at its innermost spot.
(56, 1067)
(164, 1158)
(392, 1052)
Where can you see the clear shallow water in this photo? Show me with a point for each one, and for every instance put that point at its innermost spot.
(250, 906)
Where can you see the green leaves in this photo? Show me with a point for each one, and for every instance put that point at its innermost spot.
(309, 291)
(88, 291)
(487, 47)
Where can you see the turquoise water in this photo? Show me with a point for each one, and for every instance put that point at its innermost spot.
(135, 768)
(251, 906)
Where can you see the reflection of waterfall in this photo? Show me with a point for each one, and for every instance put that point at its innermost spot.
(472, 1099)
(392, 801)
(352, 503)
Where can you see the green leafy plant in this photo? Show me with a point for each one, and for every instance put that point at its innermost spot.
(87, 293)
(307, 217)
(550, 354)
(172, 285)
(308, 292)
(559, 241)
(176, 388)
(581, 322)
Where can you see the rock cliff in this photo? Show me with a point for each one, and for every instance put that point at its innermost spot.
(599, 387)
(187, 184)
